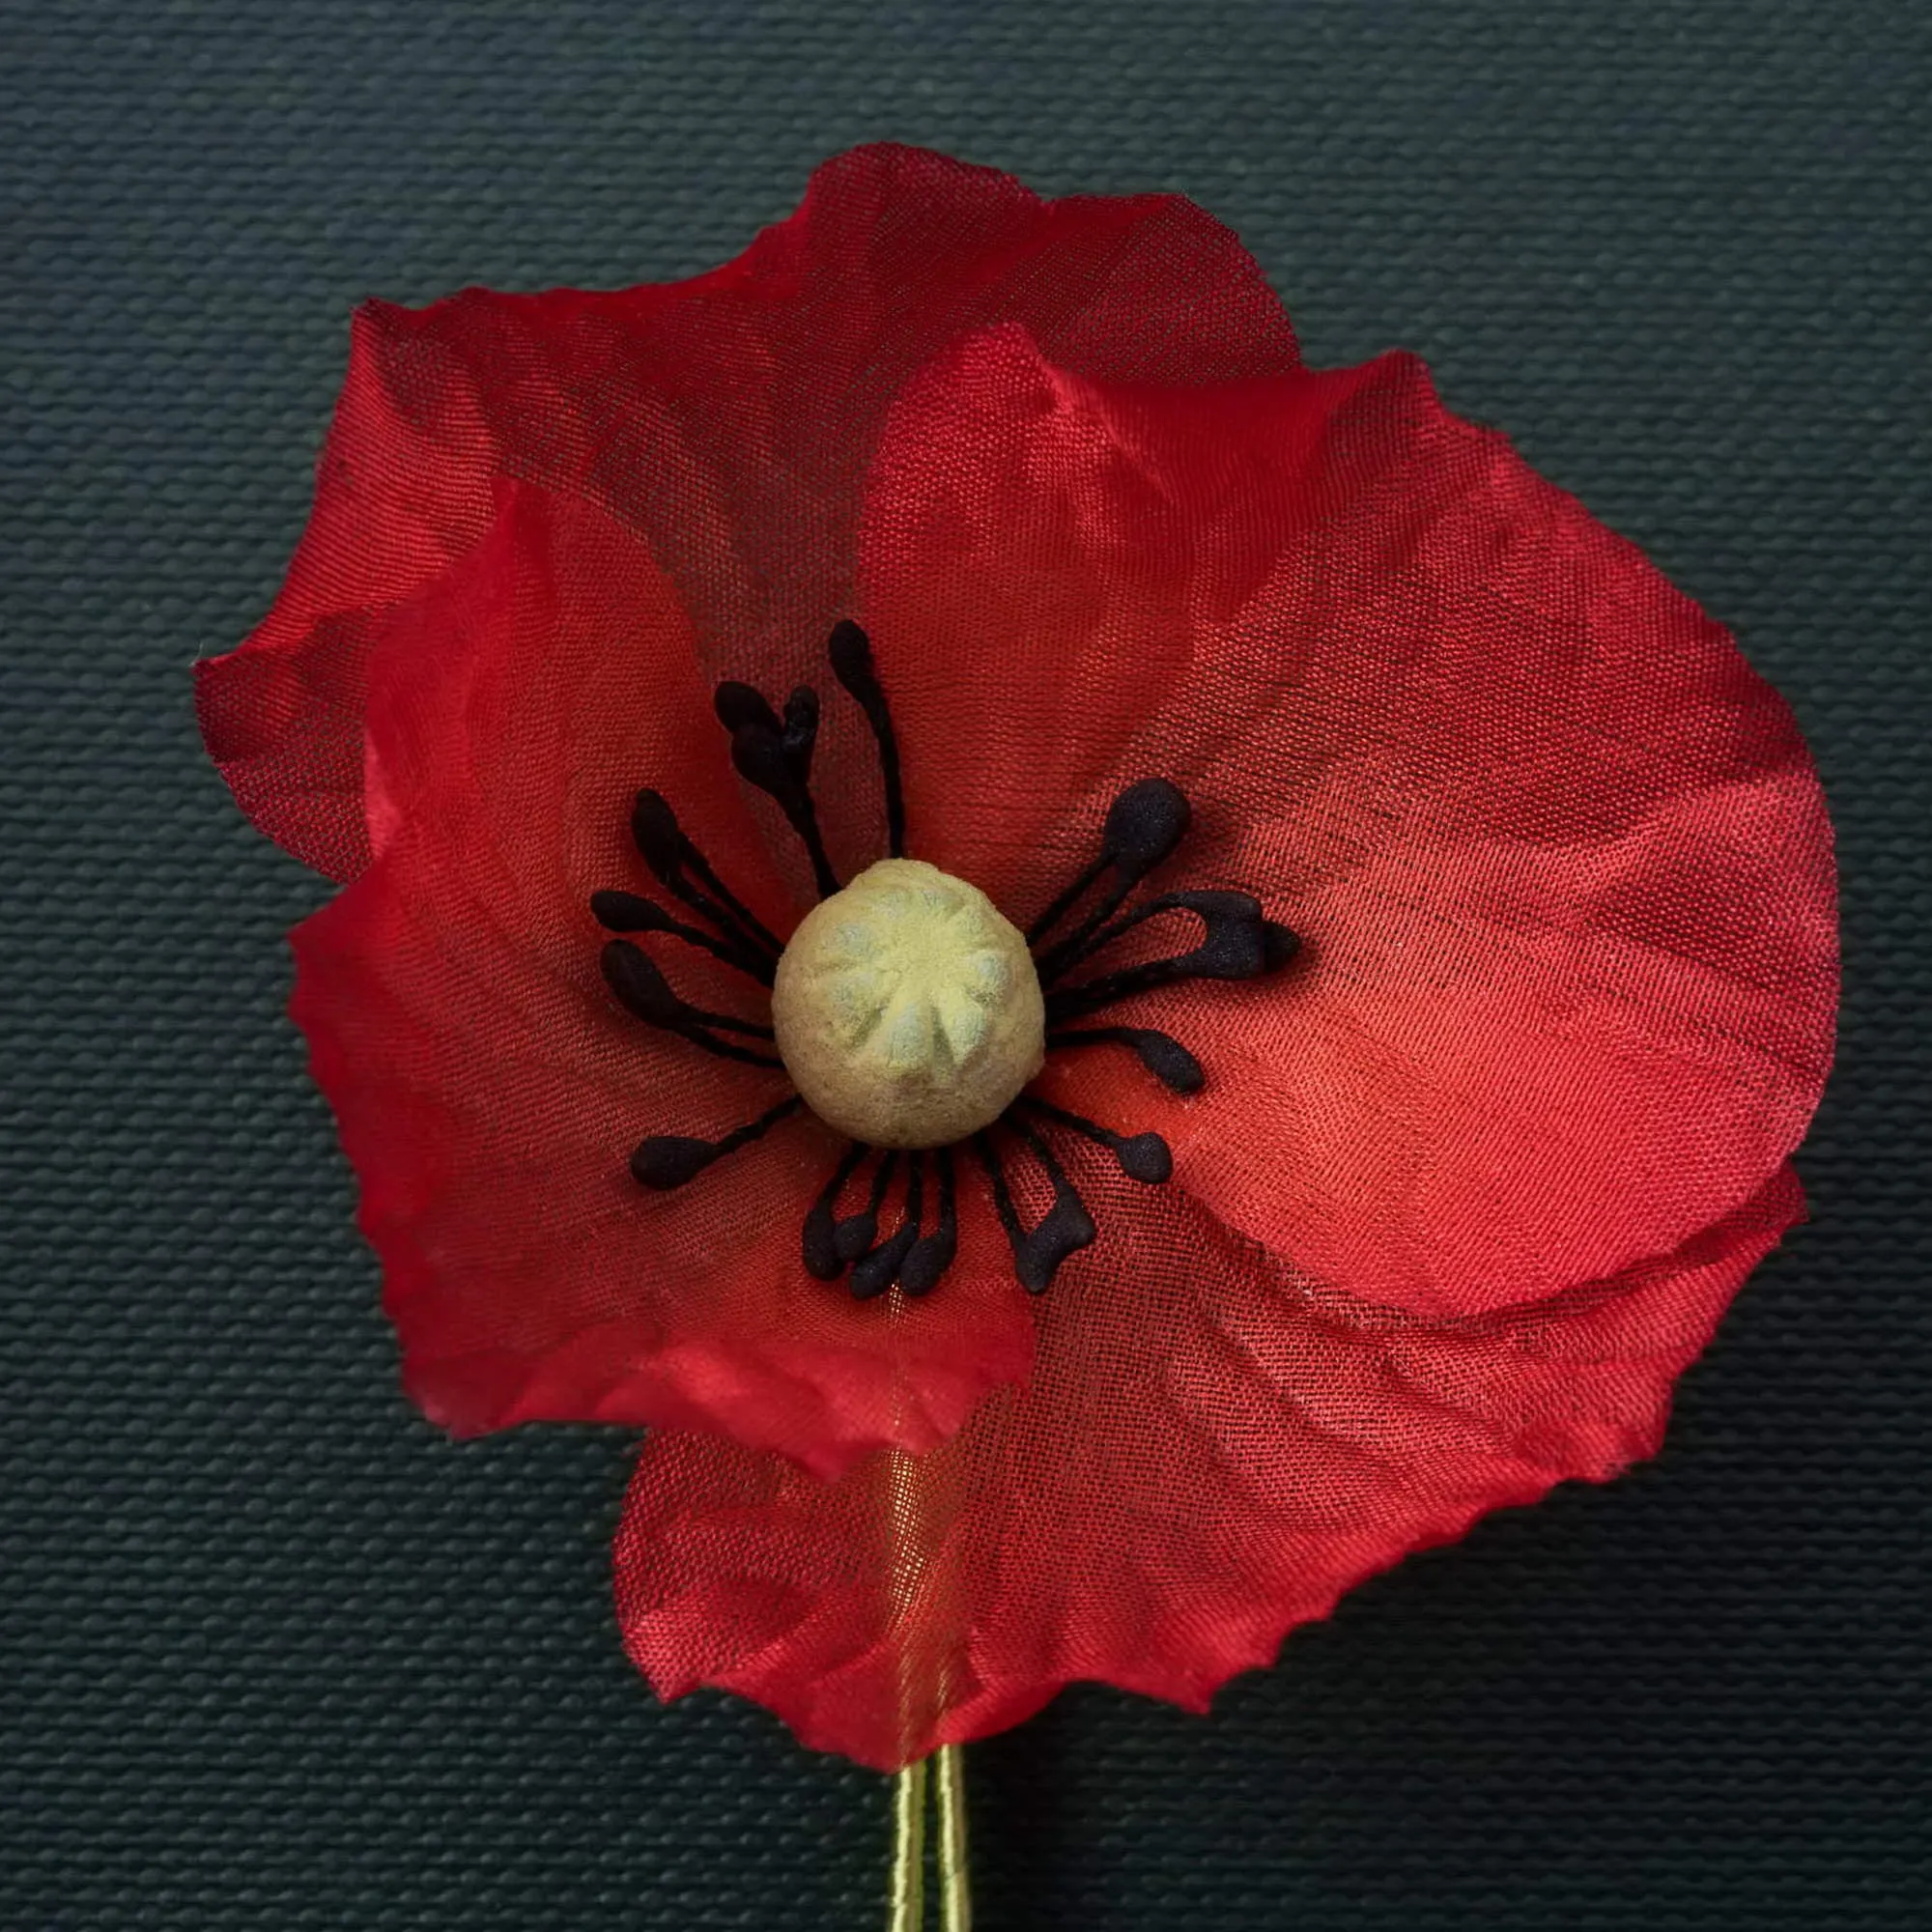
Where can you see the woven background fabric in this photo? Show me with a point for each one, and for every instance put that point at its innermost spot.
(279, 1656)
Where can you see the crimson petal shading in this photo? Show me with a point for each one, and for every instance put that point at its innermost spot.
(489, 1090)
(1559, 858)
(1195, 1469)
(1469, 1181)
(727, 419)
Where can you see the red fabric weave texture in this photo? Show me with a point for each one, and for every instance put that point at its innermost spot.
(1465, 1190)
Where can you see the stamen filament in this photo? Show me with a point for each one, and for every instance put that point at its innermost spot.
(1143, 826)
(666, 1161)
(1161, 1053)
(1058, 910)
(851, 654)
(755, 930)
(643, 991)
(631, 912)
(852, 1236)
(1239, 944)
(758, 753)
(1076, 945)
(820, 1231)
(875, 1271)
(931, 1255)
(1142, 1157)
(1065, 1228)
(1092, 938)
(666, 851)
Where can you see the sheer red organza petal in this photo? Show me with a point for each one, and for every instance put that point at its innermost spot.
(489, 1092)
(1211, 1451)
(1468, 1185)
(729, 420)
(1559, 858)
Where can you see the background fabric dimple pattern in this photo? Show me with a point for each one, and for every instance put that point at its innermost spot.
(1679, 257)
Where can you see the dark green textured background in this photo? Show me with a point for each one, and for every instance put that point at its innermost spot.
(277, 1656)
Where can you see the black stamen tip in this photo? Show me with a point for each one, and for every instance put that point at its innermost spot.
(800, 730)
(634, 977)
(1064, 1230)
(670, 1160)
(820, 1234)
(1230, 952)
(929, 1257)
(851, 653)
(1278, 945)
(1168, 1061)
(628, 912)
(758, 753)
(1145, 1157)
(821, 1249)
(654, 831)
(1235, 945)
(854, 1235)
(1144, 824)
(739, 705)
(874, 1272)
(1161, 1053)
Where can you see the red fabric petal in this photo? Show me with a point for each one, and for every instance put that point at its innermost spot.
(490, 1092)
(398, 498)
(1465, 1190)
(1559, 858)
(727, 419)
(1197, 1467)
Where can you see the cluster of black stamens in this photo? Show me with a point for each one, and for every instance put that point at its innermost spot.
(773, 751)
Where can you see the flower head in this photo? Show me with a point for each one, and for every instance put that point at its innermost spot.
(938, 760)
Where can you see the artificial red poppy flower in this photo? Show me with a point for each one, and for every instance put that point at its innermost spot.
(1347, 928)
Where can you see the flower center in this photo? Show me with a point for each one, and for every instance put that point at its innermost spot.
(907, 1009)
(909, 1014)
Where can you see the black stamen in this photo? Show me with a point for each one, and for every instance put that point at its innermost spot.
(875, 1271)
(851, 654)
(1143, 826)
(822, 1248)
(630, 912)
(670, 1160)
(773, 752)
(1278, 945)
(1142, 1157)
(740, 705)
(931, 1255)
(759, 751)
(1232, 907)
(1052, 915)
(1003, 1200)
(642, 989)
(1065, 1228)
(667, 852)
(637, 979)
(1161, 1053)
(1237, 946)
(852, 1236)
(800, 730)
(760, 933)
